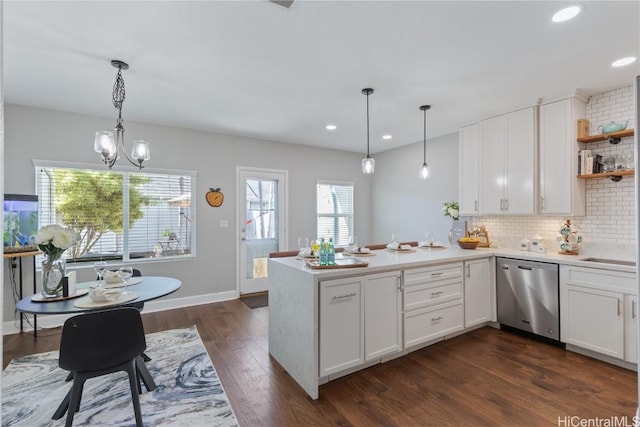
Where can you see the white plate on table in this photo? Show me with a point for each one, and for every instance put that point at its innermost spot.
(87, 302)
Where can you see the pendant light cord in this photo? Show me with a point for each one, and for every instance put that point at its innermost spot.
(424, 151)
(367, 124)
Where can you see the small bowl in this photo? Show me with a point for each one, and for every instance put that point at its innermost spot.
(468, 245)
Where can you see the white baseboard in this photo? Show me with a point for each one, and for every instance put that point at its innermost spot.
(54, 321)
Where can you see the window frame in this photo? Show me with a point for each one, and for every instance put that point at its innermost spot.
(351, 217)
(125, 255)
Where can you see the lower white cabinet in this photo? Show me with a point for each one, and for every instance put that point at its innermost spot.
(360, 320)
(631, 328)
(433, 303)
(382, 315)
(593, 320)
(341, 325)
(598, 311)
(478, 293)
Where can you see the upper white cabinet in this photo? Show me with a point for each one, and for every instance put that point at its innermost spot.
(469, 148)
(507, 167)
(561, 192)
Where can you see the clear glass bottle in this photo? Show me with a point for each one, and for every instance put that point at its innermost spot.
(331, 253)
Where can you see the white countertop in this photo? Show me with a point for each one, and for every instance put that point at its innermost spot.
(385, 260)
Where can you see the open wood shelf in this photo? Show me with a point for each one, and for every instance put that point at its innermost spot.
(608, 174)
(605, 136)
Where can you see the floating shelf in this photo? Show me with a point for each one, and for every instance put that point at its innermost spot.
(613, 136)
(615, 176)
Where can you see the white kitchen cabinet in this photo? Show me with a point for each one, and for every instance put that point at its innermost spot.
(631, 328)
(432, 303)
(469, 149)
(593, 320)
(561, 192)
(478, 293)
(598, 311)
(382, 314)
(507, 163)
(341, 325)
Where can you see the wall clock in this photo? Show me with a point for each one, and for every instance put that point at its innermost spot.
(214, 197)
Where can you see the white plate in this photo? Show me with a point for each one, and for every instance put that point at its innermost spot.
(130, 282)
(86, 302)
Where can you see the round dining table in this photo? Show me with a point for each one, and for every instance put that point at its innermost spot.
(150, 288)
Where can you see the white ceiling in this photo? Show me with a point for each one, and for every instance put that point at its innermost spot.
(256, 69)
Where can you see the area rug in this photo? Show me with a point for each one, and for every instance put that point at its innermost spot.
(256, 301)
(188, 393)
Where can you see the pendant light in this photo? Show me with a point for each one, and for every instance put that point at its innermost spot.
(368, 163)
(105, 144)
(424, 170)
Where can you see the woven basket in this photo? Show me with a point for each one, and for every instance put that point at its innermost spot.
(468, 245)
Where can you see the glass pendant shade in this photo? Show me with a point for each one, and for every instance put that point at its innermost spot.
(140, 150)
(424, 171)
(105, 145)
(368, 165)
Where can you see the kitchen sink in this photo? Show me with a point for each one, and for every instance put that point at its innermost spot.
(610, 261)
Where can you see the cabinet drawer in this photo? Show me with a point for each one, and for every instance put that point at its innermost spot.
(434, 274)
(431, 323)
(617, 281)
(427, 294)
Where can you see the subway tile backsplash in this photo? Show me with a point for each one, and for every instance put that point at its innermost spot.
(610, 216)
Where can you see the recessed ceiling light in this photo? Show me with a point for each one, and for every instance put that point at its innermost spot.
(387, 136)
(331, 127)
(566, 14)
(624, 61)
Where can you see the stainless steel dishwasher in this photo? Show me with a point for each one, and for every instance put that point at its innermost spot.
(527, 293)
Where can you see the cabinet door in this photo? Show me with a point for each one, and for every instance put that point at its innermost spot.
(492, 160)
(468, 169)
(341, 325)
(520, 161)
(592, 319)
(382, 314)
(631, 328)
(561, 192)
(477, 293)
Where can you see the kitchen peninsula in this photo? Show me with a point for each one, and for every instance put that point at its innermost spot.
(324, 324)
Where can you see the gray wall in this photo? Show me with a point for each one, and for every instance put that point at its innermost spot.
(404, 204)
(52, 135)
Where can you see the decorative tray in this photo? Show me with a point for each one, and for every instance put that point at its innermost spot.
(41, 298)
(340, 263)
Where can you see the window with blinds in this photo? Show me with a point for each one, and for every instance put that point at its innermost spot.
(334, 206)
(119, 215)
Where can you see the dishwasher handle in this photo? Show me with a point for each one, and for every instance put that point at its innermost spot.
(522, 267)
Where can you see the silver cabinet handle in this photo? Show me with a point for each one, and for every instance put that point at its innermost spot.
(619, 311)
(542, 202)
(506, 204)
(501, 204)
(633, 309)
(476, 206)
(435, 294)
(352, 294)
(436, 274)
(468, 271)
(436, 319)
(399, 280)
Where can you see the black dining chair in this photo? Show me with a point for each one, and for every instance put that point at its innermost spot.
(100, 343)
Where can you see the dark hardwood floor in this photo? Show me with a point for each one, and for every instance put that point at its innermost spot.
(483, 378)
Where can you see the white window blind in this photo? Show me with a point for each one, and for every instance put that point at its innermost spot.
(119, 215)
(334, 206)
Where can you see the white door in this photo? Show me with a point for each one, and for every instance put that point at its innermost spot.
(262, 207)
(468, 155)
(492, 160)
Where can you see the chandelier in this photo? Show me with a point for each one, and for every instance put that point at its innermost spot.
(105, 144)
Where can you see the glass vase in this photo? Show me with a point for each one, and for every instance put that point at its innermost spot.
(53, 271)
(457, 232)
